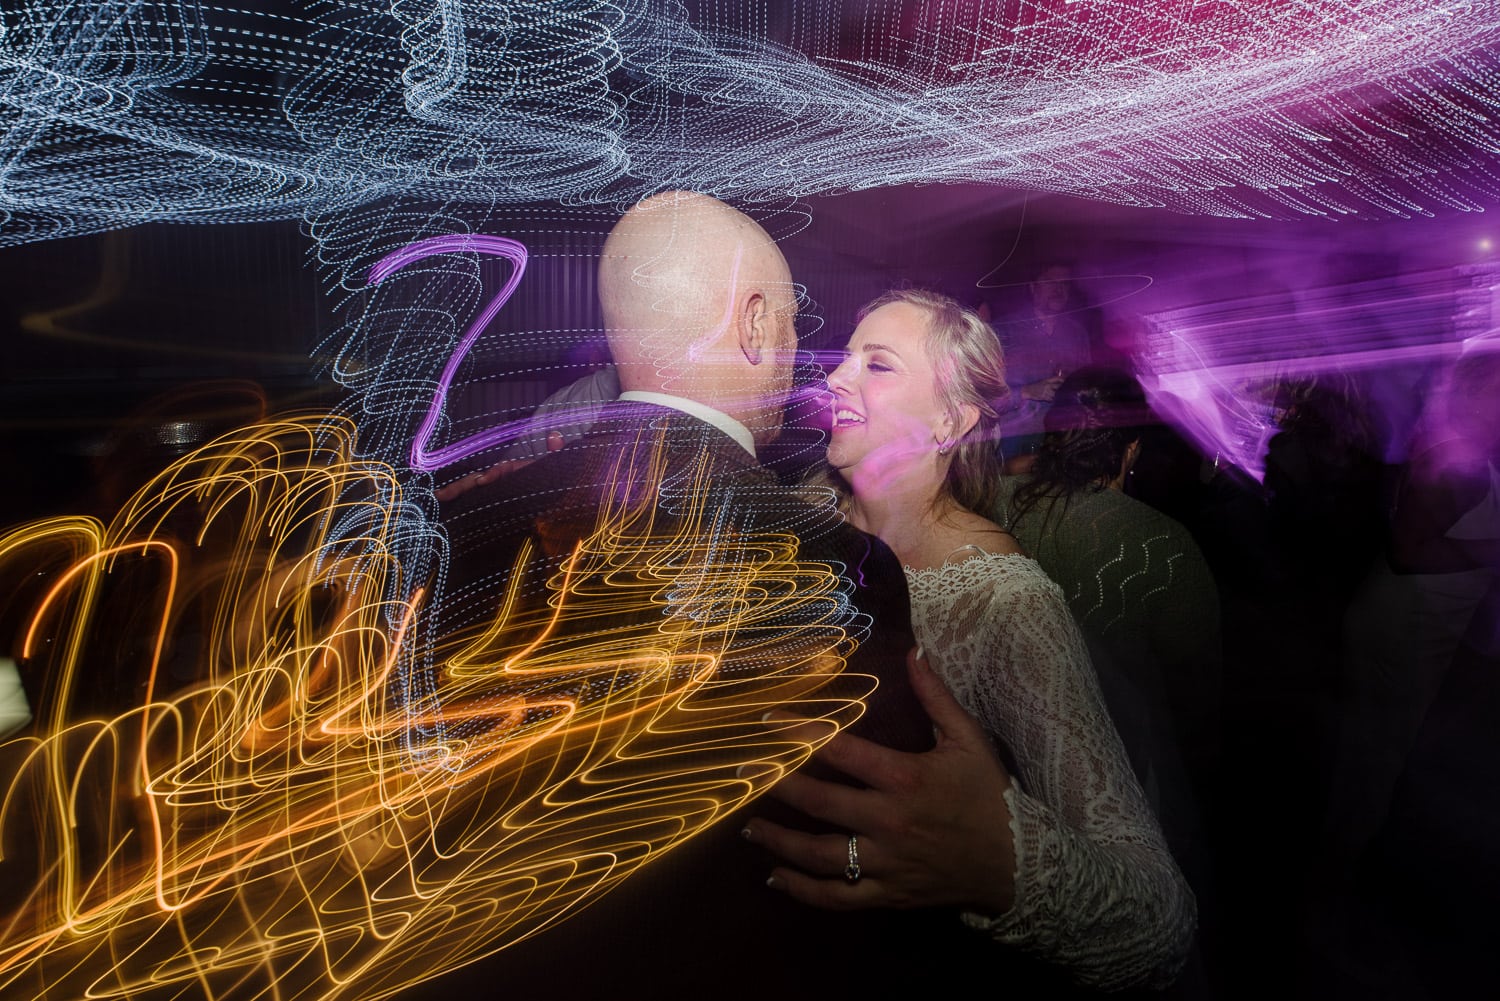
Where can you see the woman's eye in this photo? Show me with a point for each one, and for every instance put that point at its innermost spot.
(876, 366)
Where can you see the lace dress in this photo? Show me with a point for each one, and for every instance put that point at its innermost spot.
(1097, 893)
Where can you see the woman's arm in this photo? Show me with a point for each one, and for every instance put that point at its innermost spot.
(1096, 889)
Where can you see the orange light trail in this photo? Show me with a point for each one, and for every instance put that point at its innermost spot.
(276, 816)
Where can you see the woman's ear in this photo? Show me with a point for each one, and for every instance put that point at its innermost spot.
(968, 416)
(752, 321)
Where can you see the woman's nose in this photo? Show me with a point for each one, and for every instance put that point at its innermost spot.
(838, 380)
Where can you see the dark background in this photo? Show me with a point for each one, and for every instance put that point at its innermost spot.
(127, 348)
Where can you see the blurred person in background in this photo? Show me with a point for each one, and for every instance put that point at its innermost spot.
(1047, 341)
(1134, 579)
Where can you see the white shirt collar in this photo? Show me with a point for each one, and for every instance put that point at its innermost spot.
(702, 411)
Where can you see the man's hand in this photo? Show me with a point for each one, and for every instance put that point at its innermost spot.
(464, 484)
(933, 827)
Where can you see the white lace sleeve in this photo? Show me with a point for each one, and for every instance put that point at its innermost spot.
(1097, 891)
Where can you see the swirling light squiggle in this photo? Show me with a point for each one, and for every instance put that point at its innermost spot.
(268, 828)
(1219, 370)
(121, 113)
(380, 126)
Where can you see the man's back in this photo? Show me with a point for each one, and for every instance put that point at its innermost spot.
(656, 532)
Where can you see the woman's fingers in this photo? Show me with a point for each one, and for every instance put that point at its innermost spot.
(821, 854)
(876, 765)
(822, 861)
(839, 804)
(829, 894)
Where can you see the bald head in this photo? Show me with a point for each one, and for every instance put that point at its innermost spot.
(698, 302)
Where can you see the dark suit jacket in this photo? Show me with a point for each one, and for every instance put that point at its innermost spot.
(683, 502)
(671, 509)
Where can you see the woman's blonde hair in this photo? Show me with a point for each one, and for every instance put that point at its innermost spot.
(970, 369)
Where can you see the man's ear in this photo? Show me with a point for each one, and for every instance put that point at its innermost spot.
(752, 322)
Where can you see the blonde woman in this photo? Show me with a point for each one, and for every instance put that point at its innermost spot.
(1027, 816)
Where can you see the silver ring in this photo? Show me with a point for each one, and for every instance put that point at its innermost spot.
(851, 871)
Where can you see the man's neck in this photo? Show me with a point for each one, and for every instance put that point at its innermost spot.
(693, 408)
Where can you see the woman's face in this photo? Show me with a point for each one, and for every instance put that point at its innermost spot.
(886, 412)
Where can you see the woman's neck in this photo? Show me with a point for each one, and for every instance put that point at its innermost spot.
(900, 510)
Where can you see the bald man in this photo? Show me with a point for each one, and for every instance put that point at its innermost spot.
(699, 310)
(699, 306)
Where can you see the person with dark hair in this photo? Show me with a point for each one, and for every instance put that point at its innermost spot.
(1042, 346)
(1134, 578)
(1049, 845)
(1423, 600)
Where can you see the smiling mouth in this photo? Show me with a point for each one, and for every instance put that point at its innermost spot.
(846, 418)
